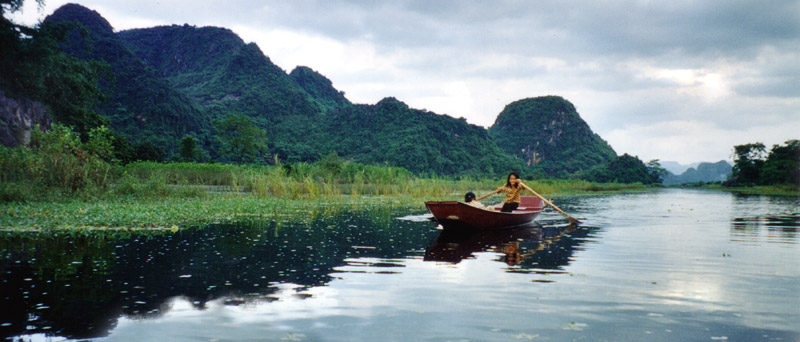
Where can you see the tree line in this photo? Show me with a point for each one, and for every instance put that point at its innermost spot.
(754, 165)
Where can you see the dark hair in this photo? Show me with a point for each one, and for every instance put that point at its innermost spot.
(469, 197)
(508, 179)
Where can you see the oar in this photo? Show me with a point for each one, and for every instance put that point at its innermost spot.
(487, 195)
(569, 218)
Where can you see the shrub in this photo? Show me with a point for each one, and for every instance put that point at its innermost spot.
(59, 161)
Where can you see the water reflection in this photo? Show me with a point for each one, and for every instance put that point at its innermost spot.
(776, 218)
(527, 247)
(661, 266)
(77, 284)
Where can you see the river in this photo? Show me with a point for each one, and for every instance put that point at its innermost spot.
(664, 265)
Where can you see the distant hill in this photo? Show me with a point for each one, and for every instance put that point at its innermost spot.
(675, 167)
(548, 133)
(705, 172)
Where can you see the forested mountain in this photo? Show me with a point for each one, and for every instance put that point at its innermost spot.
(547, 132)
(320, 88)
(705, 172)
(226, 76)
(168, 84)
(139, 103)
(421, 141)
(218, 70)
(303, 114)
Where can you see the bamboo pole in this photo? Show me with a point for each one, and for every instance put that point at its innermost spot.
(569, 218)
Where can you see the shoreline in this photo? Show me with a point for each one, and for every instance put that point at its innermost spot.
(185, 207)
(762, 190)
(177, 210)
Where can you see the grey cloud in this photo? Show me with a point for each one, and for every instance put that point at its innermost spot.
(782, 87)
(716, 29)
(776, 76)
(694, 30)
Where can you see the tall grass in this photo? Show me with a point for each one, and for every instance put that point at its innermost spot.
(60, 163)
(339, 178)
(191, 173)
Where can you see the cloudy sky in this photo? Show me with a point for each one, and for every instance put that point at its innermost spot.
(672, 80)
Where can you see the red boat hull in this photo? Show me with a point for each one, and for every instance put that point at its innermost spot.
(459, 213)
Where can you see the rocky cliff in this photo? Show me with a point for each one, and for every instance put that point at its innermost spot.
(18, 117)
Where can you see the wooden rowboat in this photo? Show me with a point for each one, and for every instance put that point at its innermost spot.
(459, 213)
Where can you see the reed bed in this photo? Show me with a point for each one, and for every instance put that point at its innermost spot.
(326, 180)
(178, 195)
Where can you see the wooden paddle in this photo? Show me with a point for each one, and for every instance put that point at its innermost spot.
(569, 218)
(484, 196)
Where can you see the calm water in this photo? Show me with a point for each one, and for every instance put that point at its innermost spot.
(671, 265)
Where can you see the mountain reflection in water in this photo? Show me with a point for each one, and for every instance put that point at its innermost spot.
(77, 284)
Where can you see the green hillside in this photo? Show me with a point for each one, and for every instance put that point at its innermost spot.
(320, 88)
(303, 115)
(423, 142)
(548, 133)
(139, 103)
(218, 70)
(225, 76)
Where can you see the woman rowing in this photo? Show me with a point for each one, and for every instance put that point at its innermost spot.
(512, 190)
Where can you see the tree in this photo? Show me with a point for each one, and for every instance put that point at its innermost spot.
(241, 139)
(188, 149)
(629, 169)
(748, 161)
(33, 65)
(624, 169)
(782, 165)
(11, 6)
(147, 151)
(332, 164)
(100, 142)
(656, 172)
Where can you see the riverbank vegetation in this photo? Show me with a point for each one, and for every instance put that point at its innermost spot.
(772, 190)
(64, 180)
(755, 171)
(759, 172)
(754, 166)
(769, 190)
